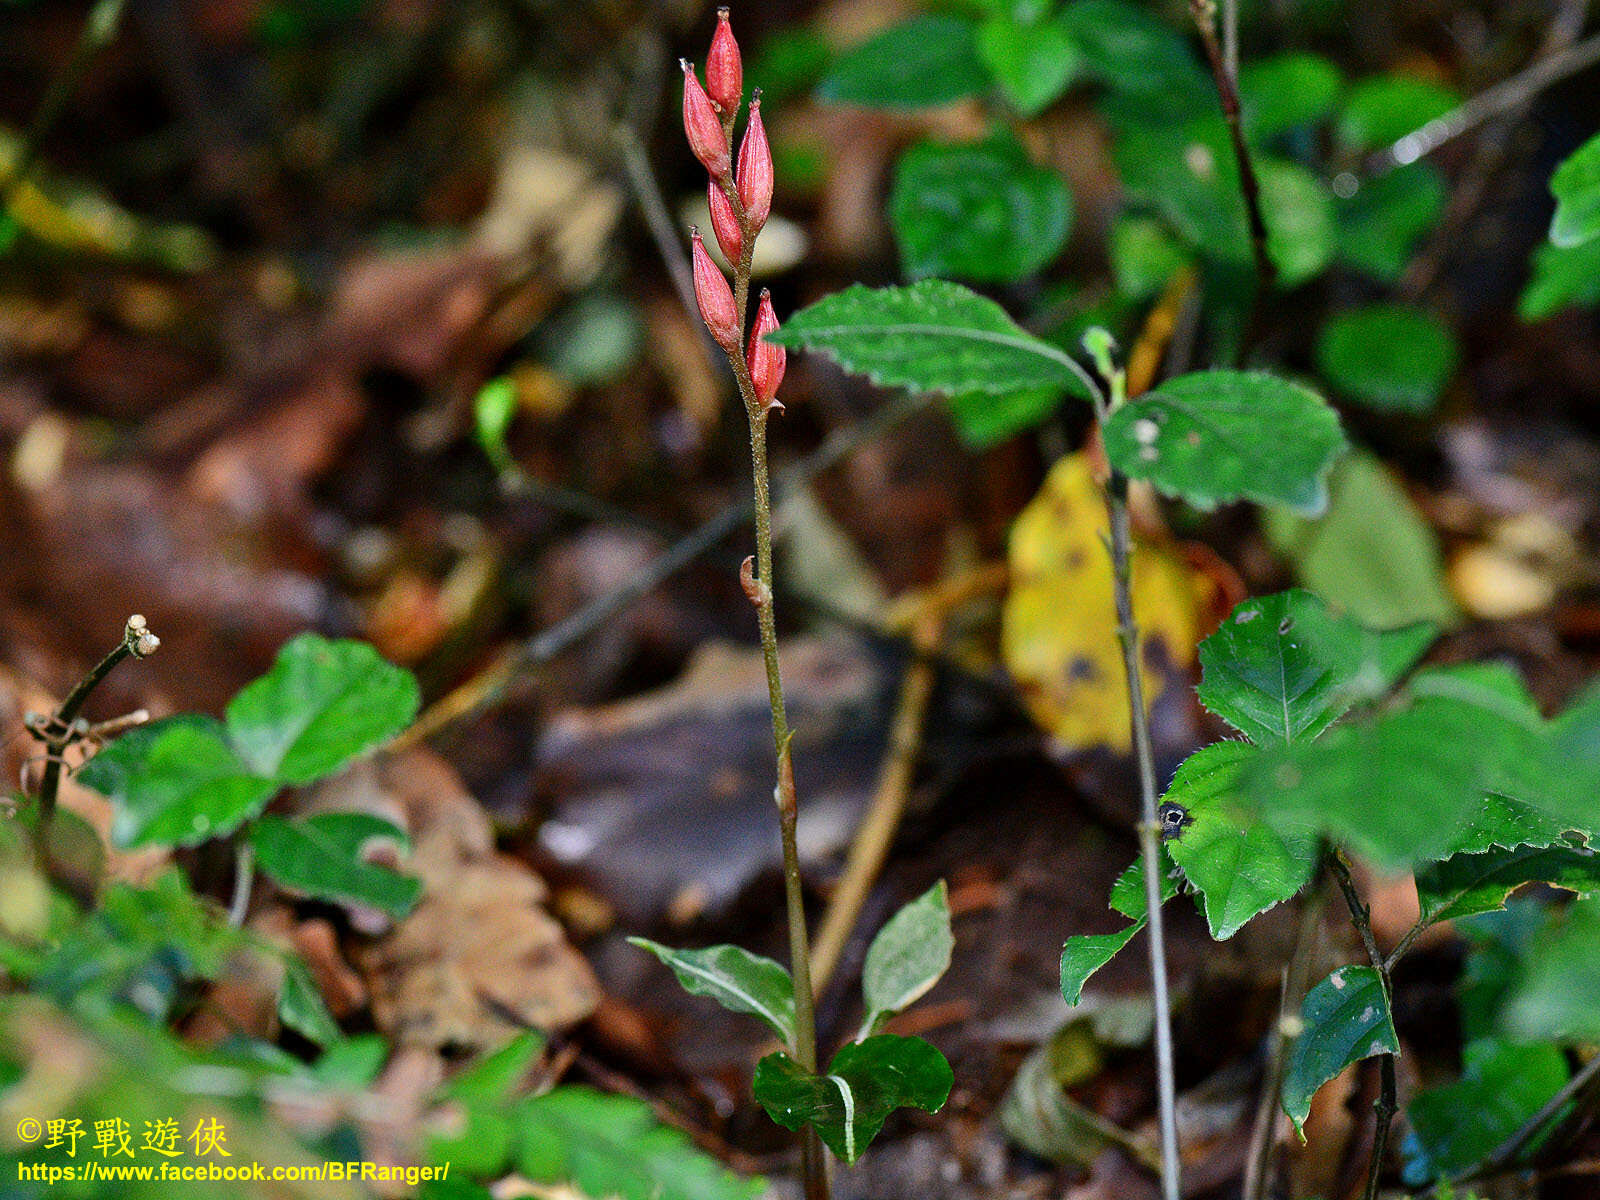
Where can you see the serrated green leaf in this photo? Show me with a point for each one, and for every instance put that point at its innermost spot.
(1346, 1018)
(908, 956)
(1506, 823)
(1381, 223)
(736, 979)
(981, 211)
(921, 63)
(1385, 108)
(1371, 554)
(866, 1081)
(321, 856)
(1128, 892)
(1576, 187)
(322, 704)
(1466, 884)
(614, 1146)
(300, 1005)
(1241, 865)
(1086, 953)
(1283, 668)
(1502, 1085)
(1216, 436)
(175, 782)
(1287, 91)
(1033, 62)
(1388, 356)
(932, 336)
(1561, 277)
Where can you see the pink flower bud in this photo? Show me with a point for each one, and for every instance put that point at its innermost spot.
(724, 69)
(766, 360)
(755, 168)
(715, 297)
(724, 223)
(703, 126)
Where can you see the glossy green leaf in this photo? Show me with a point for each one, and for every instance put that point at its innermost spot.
(983, 420)
(1128, 892)
(321, 856)
(1033, 62)
(1385, 108)
(1381, 223)
(736, 979)
(1388, 356)
(322, 704)
(981, 210)
(1289, 91)
(1502, 822)
(1301, 232)
(1346, 1018)
(300, 1005)
(908, 956)
(1216, 436)
(921, 63)
(1283, 668)
(1144, 256)
(1086, 953)
(1561, 278)
(1371, 554)
(1466, 884)
(1133, 50)
(175, 782)
(932, 336)
(1185, 172)
(614, 1146)
(865, 1082)
(1576, 187)
(1559, 996)
(1502, 1085)
(1240, 864)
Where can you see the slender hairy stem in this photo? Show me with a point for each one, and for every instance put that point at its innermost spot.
(1205, 20)
(1388, 1092)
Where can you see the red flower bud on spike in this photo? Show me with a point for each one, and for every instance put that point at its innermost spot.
(715, 297)
(723, 222)
(766, 360)
(703, 126)
(755, 168)
(724, 68)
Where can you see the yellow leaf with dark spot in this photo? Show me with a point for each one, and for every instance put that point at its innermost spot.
(1059, 628)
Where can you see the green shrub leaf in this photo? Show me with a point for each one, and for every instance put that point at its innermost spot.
(1502, 1085)
(1559, 997)
(300, 1005)
(1134, 51)
(982, 420)
(921, 63)
(175, 782)
(1240, 865)
(1385, 108)
(866, 1081)
(322, 704)
(736, 979)
(1288, 91)
(1561, 277)
(1465, 884)
(1032, 62)
(1388, 356)
(1216, 436)
(1128, 894)
(1086, 953)
(1346, 1018)
(1282, 668)
(321, 856)
(1576, 187)
(909, 955)
(1380, 225)
(932, 336)
(980, 211)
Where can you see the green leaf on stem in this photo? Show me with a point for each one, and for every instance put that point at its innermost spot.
(300, 1005)
(1502, 1085)
(1240, 864)
(1032, 61)
(908, 956)
(1380, 225)
(1559, 996)
(1561, 278)
(736, 979)
(983, 420)
(175, 782)
(323, 856)
(1134, 51)
(1285, 92)
(931, 336)
(1576, 187)
(1384, 108)
(1298, 210)
(1346, 1018)
(921, 63)
(1282, 668)
(865, 1082)
(1216, 436)
(614, 1146)
(1389, 357)
(981, 210)
(1128, 893)
(1465, 884)
(1086, 953)
(322, 704)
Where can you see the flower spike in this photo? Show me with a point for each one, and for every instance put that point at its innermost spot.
(702, 125)
(724, 67)
(724, 223)
(755, 168)
(715, 297)
(767, 361)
